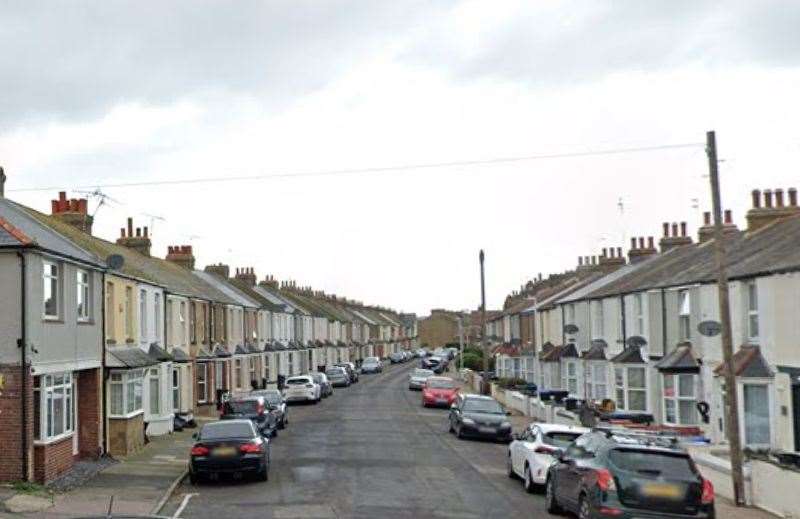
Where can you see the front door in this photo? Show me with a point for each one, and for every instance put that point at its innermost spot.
(796, 415)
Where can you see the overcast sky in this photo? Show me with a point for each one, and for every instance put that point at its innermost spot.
(97, 93)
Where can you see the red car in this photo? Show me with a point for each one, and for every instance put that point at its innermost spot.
(439, 392)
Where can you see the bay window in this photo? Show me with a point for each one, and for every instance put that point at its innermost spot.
(54, 407)
(154, 389)
(680, 398)
(596, 380)
(631, 388)
(570, 382)
(82, 285)
(50, 294)
(125, 398)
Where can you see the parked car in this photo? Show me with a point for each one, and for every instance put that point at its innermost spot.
(254, 408)
(627, 475)
(396, 357)
(338, 376)
(435, 364)
(417, 378)
(325, 385)
(532, 452)
(439, 392)
(420, 353)
(479, 416)
(230, 446)
(302, 388)
(351, 369)
(275, 400)
(372, 365)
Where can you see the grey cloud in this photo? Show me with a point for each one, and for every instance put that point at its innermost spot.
(589, 40)
(73, 59)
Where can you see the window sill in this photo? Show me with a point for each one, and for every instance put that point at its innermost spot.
(52, 320)
(54, 439)
(125, 416)
(84, 322)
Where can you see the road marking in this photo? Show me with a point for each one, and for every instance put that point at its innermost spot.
(185, 502)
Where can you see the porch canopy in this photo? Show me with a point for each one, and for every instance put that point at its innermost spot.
(748, 362)
(630, 355)
(129, 358)
(679, 360)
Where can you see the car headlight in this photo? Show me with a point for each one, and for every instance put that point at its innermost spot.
(505, 425)
(468, 421)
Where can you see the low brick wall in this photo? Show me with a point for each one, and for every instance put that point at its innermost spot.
(11, 455)
(52, 460)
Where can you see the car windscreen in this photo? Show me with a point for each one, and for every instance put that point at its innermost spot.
(370, 362)
(335, 372)
(241, 407)
(422, 373)
(560, 439)
(297, 381)
(222, 430)
(648, 462)
(482, 406)
(440, 384)
(273, 398)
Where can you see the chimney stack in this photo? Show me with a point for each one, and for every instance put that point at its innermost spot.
(247, 275)
(764, 212)
(73, 211)
(220, 269)
(2, 183)
(640, 252)
(677, 239)
(181, 255)
(140, 242)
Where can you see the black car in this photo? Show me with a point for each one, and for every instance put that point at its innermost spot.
(276, 403)
(255, 408)
(229, 447)
(624, 475)
(479, 416)
(338, 377)
(435, 364)
(351, 369)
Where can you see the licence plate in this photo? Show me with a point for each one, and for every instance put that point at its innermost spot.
(486, 430)
(441, 401)
(664, 490)
(224, 452)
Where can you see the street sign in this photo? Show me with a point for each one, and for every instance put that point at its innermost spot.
(570, 329)
(636, 341)
(709, 328)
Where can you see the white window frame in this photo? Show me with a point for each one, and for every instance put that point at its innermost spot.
(677, 397)
(638, 313)
(751, 305)
(623, 388)
(129, 327)
(83, 296)
(251, 364)
(598, 320)
(596, 375)
(182, 320)
(153, 376)
(46, 387)
(219, 367)
(767, 384)
(142, 315)
(157, 314)
(175, 385)
(685, 314)
(570, 376)
(202, 382)
(237, 374)
(49, 280)
(131, 384)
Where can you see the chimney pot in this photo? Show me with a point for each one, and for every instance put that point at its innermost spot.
(619, 252)
(122, 232)
(605, 252)
(666, 229)
(728, 216)
(651, 242)
(641, 242)
(707, 218)
(674, 230)
(779, 197)
(138, 232)
(633, 243)
(145, 231)
(130, 227)
(768, 198)
(683, 229)
(756, 198)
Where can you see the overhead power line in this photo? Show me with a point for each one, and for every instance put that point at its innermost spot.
(380, 169)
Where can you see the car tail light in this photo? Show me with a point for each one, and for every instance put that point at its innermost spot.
(250, 448)
(544, 449)
(607, 510)
(260, 408)
(200, 450)
(605, 480)
(708, 492)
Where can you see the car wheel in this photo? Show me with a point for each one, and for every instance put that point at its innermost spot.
(275, 432)
(585, 508)
(193, 478)
(550, 497)
(510, 467)
(530, 486)
(264, 474)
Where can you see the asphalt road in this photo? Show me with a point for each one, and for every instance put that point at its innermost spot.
(369, 451)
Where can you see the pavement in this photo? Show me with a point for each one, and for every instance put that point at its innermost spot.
(138, 484)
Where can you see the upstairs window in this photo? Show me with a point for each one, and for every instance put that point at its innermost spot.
(157, 314)
(51, 292)
(182, 321)
(638, 314)
(82, 285)
(752, 312)
(110, 312)
(684, 315)
(570, 314)
(598, 320)
(129, 313)
(142, 316)
(193, 322)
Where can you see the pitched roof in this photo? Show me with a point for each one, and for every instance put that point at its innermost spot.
(681, 359)
(629, 355)
(556, 353)
(597, 351)
(748, 362)
(223, 286)
(254, 294)
(129, 358)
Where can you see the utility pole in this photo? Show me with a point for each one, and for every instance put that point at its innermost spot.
(731, 397)
(484, 348)
(460, 343)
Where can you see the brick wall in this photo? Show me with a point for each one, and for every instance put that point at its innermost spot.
(11, 455)
(90, 412)
(52, 460)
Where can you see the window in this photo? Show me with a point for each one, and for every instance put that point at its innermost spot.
(756, 414)
(638, 314)
(598, 318)
(570, 314)
(291, 363)
(684, 315)
(596, 384)
(83, 295)
(170, 330)
(154, 387)
(571, 377)
(193, 322)
(129, 313)
(126, 393)
(202, 382)
(218, 381)
(142, 316)
(54, 411)
(680, 399)
(202, 323)
(182, 321)
(752, 312)
(157, 315)
(237, 373)
(51, 295)
(631, 388)
(176, 389)
(253, 377)
(110, 312)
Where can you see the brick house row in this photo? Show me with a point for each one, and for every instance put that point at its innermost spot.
(102, 344)
(625, 329)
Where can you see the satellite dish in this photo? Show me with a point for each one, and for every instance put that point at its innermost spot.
(636, 341)
(570, 329)
(115, 261)
(709, 328)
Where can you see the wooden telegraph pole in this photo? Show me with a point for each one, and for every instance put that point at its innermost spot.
(731, 396)
(485, 386)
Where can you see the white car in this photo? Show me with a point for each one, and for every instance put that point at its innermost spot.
(302, 389)
(531, 453)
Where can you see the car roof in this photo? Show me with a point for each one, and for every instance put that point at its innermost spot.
(219, 423)
(557, 427)
(479, 397)
(241, 398)
(443, 379)
(297, 377)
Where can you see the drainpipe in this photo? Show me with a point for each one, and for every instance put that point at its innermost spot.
(624, 323)
(104, 375)
(23, 344)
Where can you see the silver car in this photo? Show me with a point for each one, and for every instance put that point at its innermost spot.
(418, 377)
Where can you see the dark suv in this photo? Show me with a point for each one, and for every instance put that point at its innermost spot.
(255, 407)
(611, 473)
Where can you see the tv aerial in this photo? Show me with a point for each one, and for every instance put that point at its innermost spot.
(102, 198)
